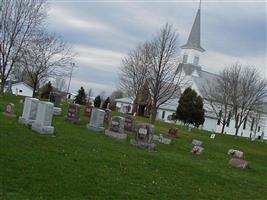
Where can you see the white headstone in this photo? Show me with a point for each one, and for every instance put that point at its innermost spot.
(29, 111)
(97, 120)
(44, 118)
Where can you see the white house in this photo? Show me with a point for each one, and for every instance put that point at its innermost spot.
(192, 70)
(20, 88)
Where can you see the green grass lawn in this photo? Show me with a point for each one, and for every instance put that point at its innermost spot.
(80, 164)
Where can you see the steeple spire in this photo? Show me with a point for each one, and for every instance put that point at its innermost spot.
(193, 41)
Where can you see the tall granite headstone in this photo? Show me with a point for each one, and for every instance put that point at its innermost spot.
(55, 98)
(44, 118)
(29, 111)
(96, 120)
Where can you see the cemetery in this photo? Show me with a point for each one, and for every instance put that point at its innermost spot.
(97, 165)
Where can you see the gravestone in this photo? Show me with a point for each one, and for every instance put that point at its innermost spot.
(88, 110)
(197, 142)
(55, 98)
(197, 150)
(108, 115)
(235, 153)
(29, 111)
(129, 123)
(212, 136)
(235, 162)
(44, 118)
(161, 139)
(144, 137)
(116, 128)
(10, 110)
(73, 114)
(173, 132)
(96, 120)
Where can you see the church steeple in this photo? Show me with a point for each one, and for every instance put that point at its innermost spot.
(193, 41)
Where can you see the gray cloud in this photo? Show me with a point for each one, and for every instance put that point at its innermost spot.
(102, 33)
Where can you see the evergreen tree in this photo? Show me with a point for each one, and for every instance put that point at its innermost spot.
(199, 116)
(45, 90)
(97, 101)
(80, 97)
(190, 109)
(107, 101)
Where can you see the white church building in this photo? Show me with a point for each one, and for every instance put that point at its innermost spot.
(191, 53)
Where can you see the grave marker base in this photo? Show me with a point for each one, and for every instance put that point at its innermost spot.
(144, 145)
(73, 120)
(9, 114)
(43, 129)
(94, 128)
(57, 111)
(121, 136)
(25, 121)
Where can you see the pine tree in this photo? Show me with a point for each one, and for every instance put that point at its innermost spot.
(199, 116)
(80, 97)
(46, 90)
(107, 101)
(190, 109)
(97, 101)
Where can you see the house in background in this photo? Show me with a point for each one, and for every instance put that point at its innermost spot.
(19, 88)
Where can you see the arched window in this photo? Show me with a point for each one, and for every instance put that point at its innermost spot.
(185, 58)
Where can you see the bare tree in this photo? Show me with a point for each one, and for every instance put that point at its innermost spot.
(248, 90)
(60, 84)
(133, 72)
(19, 19)
(164, 77)
(45, 56)
(216, 95)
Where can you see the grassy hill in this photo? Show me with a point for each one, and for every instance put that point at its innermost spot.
(80, 164)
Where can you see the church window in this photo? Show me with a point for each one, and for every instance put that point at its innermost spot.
(196, 60)
(163, 115)
(245, 123)
(219, 118)
(228, 120)
(185, 58)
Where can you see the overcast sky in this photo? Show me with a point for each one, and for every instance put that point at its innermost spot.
(102, 32)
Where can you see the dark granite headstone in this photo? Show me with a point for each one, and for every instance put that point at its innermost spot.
(116, 128)
(108, 115)
(129, 123)
(173, 132)
(144, 137)
(88, 110)
(235, 162)
(55, 98)
(73, 113)
(10, 110)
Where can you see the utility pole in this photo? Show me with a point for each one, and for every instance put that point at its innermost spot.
(72, 66)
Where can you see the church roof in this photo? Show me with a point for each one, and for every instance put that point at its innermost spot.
(193, 41)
